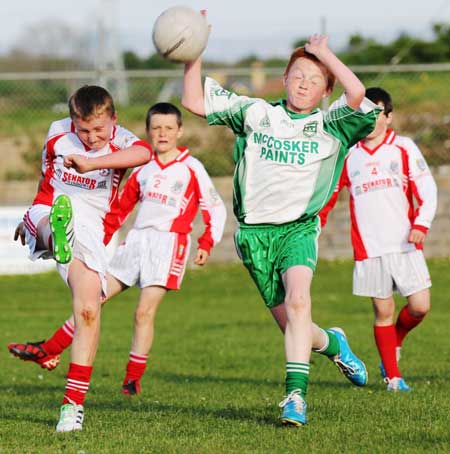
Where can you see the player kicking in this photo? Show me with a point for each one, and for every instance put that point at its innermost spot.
(383, 173)
(288, 156)
(83, 162)
(170, 188)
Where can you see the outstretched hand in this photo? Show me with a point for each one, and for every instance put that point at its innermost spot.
(20, 233)
(80, 163)
(202, 257)
(317, 44)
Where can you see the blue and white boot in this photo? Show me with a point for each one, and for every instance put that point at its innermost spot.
(397, 384)
(347, 362)
(294, 409)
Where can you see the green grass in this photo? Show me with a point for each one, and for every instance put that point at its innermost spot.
(217, 372)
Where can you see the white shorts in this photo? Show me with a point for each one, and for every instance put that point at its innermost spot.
(379, 277)
(88, 247)
(30, 221)
(150, 257)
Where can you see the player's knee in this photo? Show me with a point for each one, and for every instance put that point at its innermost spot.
(420, 310)
(89, 313)
(384, 316)
(297, 304)
(144, 315)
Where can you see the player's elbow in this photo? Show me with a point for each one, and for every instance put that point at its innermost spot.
(356, 96)
(143, 155)
(193, 105)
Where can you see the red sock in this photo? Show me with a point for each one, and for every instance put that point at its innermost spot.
(135, 367)
(386, 340)
(405, 323)
(61, 339)
(77, 384)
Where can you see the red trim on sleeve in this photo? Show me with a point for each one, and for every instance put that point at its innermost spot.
(359, 250)
(145, 144)
(121, 206)
(420, 228)
(407, 183)
(46, 190)
(183, 222)
(343, 181)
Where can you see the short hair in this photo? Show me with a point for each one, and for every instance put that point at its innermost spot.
(300, 52)
(91, 101)
(377, 94)
(163, 108)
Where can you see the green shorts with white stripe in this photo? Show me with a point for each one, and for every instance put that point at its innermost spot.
(268, 251)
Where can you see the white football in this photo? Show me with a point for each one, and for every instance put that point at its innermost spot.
(180, 34)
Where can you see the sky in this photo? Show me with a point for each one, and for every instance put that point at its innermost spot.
(239, 27)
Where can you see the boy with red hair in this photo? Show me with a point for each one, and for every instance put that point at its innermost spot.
(288, 157)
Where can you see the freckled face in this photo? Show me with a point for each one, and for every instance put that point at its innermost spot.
(305, 86)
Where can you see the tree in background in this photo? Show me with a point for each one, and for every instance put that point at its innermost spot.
(404, 49)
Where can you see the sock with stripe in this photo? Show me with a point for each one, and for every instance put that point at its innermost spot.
(405, 323)
(135, 367)
(77, 384)
(61, 339)
(297, 375)
(386, 340)
(331, 347)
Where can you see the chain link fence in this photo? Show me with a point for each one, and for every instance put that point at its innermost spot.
(30, 101)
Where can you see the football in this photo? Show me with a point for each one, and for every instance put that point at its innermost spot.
(180, 34)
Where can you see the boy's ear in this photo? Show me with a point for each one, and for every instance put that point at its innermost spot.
(180, 132)
(389, 118)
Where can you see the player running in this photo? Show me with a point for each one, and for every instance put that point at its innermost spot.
(383, 173)
(288, 157)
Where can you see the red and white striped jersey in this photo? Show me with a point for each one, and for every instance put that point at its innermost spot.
(170, 195)
(382, 183)
(93, 194)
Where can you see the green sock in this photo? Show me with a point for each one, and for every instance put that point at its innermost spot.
(297, 375)
(332, 347)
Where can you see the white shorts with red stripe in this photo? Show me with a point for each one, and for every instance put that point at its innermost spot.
(379, 277)
(149, 257)
(31, 220)
(88, 247)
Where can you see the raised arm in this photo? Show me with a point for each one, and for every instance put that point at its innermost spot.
(193, 97)
(354, 88)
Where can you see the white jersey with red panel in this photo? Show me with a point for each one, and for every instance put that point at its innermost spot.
(94, 193)
(170, 195)
(382, 183)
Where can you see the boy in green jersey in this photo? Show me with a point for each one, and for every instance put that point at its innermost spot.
(289, 156)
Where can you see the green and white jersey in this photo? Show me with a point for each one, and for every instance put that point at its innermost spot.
(287, 164)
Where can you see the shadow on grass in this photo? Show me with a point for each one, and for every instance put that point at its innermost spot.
(28, 390)
(30, 418)
(201, 410)
(190, 378)
(339, 383)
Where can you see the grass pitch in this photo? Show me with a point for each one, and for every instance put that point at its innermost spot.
(216, 374)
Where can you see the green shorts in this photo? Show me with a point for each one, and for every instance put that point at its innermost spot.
(267, 251)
